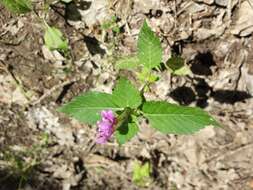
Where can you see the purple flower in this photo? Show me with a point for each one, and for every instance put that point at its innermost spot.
(105, 126)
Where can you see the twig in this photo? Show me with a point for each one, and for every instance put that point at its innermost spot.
(54, 88)
(228, 153)
(17, 81)
(240, 70)
(229, 10)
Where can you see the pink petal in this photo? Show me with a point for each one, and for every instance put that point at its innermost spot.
(108, 115)
(104, 125)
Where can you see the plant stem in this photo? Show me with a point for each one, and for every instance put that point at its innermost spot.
(123, 117)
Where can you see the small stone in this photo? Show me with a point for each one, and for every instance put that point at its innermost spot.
(244, 23)
(146, 5)
(248, 80)
(203, 33)
(223, 3)
(195, 7)
(206, 133)
(97, 13)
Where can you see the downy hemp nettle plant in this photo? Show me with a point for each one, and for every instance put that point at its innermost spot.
(118, 113)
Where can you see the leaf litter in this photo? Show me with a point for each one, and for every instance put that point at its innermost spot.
(204, 34)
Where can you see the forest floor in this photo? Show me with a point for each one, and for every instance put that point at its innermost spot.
(41, 148)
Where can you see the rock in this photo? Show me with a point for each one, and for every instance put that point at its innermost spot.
(193, 7)
(145, 6)
(247, 80)
(62, 172)
(10, 92)
(244, 23)
(203, 33)
(223, 3)
(206, 133)
(47, 54)
(123, 8)
(53, 56)
(14, 27)
(97, 13)
(46, 121)
(191, 152)
(145, 153)
(223, 49)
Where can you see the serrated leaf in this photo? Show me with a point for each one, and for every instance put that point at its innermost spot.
(54, 39)
(87, 107)
(174, 119)
(17, 6)
(125, 132)
(126, 95)
(149, 48)
(177, 67)
(147, 76)
(127, 63)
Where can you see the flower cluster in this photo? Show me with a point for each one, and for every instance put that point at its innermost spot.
(106, 126)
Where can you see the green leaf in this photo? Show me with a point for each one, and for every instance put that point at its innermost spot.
(126, 95)
(109, 24)
(126, 126)
(127, 63)
(125, 132)
(177, 67)
(17, 6)
(147, 76)
(185, 70)
(141, 174)
(174, 119)
(175, 62)
(149, 48)
(116, 29)
(54, 39)
(87, 107)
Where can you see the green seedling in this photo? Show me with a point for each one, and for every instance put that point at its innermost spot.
(54, 39)
(111, 25)
(177, 67)
(141, 174)
(22, 163)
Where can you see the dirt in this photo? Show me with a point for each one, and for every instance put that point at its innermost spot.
(34, 82)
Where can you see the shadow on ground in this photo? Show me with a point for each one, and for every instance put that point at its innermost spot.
(201, 93)
(9, 181)
(200, 90)
(202, 64)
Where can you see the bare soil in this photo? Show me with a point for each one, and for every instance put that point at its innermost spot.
(34, 82)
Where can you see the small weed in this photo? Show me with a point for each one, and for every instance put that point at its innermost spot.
(21, 163)
(114, 113)
(141, 174)
(111, 25)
